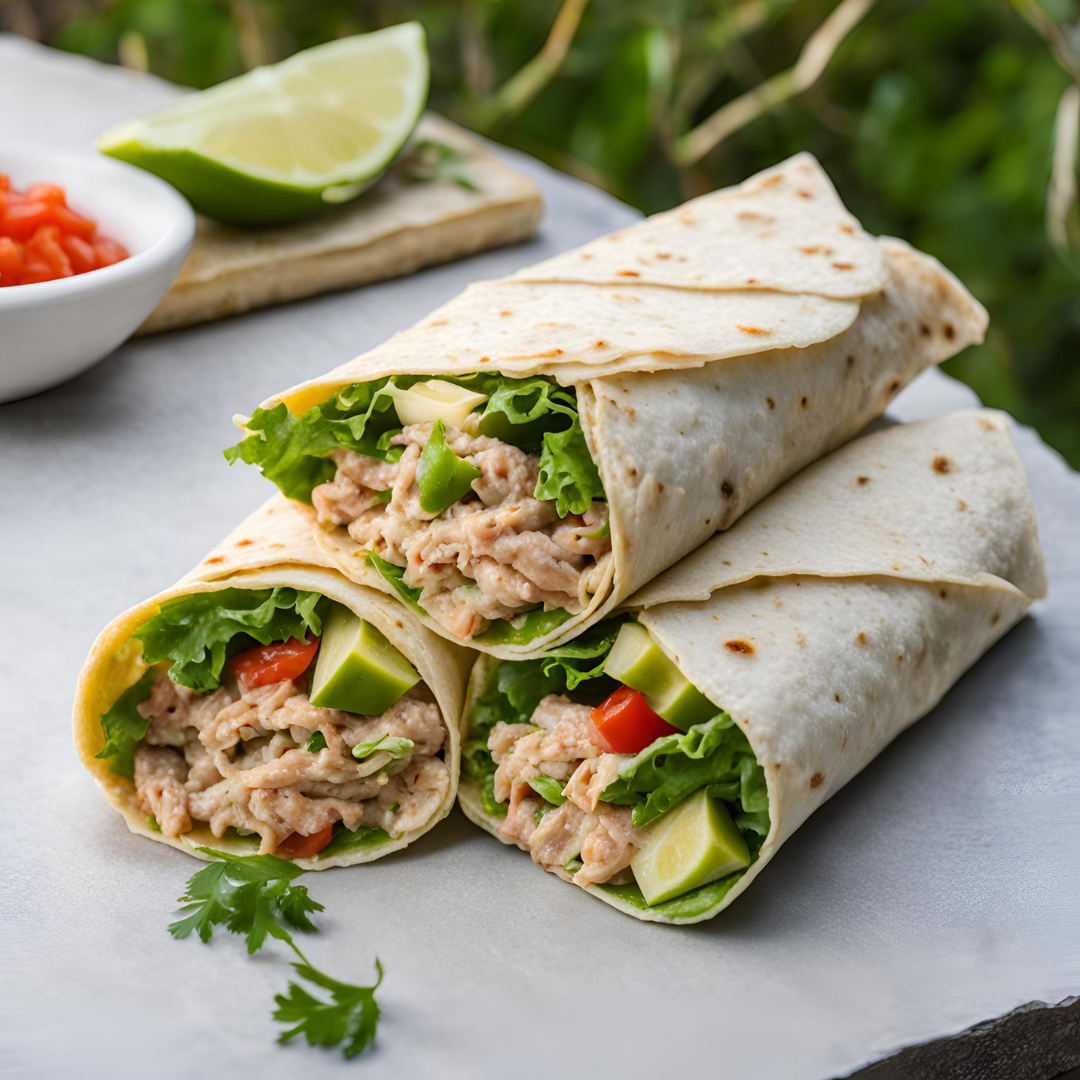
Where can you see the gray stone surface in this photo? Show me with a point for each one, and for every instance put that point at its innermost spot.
(936, 892)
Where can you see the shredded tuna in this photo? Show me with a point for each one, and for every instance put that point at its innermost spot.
(494, 554)
(232, 759)
(562, 742)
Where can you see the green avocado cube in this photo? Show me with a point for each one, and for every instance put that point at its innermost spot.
(357, 669)
(682, 704)
(692, 844)
(637, 661)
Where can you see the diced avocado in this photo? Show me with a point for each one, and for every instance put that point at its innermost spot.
(441, 476)
(691, 845)
(681, 704)
(357, 669)
(435, 399)
(636, 660)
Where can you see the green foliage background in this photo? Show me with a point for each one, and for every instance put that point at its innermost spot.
(935, 118)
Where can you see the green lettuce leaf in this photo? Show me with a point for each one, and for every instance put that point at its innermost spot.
(548, 788)
(534, 414)
(715, 755)
(394, 576)
(197, 633)
(344, 841)
(393, 745)
(125, 727)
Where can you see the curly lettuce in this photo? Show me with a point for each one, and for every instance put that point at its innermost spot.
(715, 755)
(124, 727)
(535, 414)
(198, 632)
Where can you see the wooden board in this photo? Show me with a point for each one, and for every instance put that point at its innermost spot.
(396, 228)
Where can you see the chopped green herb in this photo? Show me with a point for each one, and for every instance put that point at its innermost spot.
(430, 159)
(247, 894)
(152, 823)
(316, 743)
(396, 747)
(350, 1017)
(548, 789)
(393, 807)
(574, 865)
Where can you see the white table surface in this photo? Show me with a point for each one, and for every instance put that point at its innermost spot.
(938, 890)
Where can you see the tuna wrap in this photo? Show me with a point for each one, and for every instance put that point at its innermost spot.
(192, 711)
(633, 397)
(825, 622)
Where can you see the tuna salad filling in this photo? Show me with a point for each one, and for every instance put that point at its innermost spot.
(278, 715)
(654, 793)
(476, 498)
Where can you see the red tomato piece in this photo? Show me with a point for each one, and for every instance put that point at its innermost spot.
(46, 243)
(76, 224)
(5, 182)
(109, 251)
(262, 665)
(46, 193)
(11, 261)
(627, 723)
(80, 252)
(23, 219)
(298, 846)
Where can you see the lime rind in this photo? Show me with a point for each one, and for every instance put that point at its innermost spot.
(327, 141)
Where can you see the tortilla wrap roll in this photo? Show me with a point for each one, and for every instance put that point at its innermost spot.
(783, 655)
(516, 465)
(195, 710)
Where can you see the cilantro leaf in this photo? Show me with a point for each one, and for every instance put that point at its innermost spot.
(199, 631)
(125, 726)
(350, 1017)
(247, 894)
(393, 745)
(430, 159)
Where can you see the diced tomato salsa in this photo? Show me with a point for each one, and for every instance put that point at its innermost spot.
(42, 238)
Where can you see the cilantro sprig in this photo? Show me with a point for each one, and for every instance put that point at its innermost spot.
(254, 895)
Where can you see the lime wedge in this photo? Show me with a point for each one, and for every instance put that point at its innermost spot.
(691, 845)
(281, 142)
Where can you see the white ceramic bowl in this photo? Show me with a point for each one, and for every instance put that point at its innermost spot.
(53, 330)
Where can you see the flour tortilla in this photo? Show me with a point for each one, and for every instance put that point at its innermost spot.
(700, 390)
(839, 612)
(271, 547)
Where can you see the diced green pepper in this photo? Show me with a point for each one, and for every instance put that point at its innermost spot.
(442, 477)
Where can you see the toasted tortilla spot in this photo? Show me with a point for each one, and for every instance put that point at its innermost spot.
(627, 273)
(941, 464)
(726, 489)
(737, 645)
(863, 480)
(215, 559)
(769, 401)
(244, 543)
(843, 266)
(803, 400)
(961, 505)
(950, 331)
(752, 329)
(815, 780)
(860, 638)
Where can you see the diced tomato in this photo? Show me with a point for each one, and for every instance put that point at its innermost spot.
(46, 243)
(23, 219)
(109, 251)
(266, 664)
(80, 252)
(298, 846)
(627, 723)
(46, 193)
(74, 223)
(42, 238)
(11, 261)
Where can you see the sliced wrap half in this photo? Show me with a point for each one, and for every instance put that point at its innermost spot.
(830, 618)
(217, 742)
(628, 400)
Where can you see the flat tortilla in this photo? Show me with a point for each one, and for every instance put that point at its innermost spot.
(271, 547)
(696, 402)
(838, 613)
